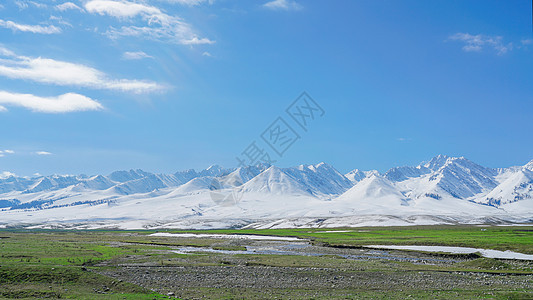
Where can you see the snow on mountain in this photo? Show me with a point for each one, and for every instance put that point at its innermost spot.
(444, 177)
(320, 179)
(444, 188)
(241, 175)
(52, 182)
(462, 178)
(142, 185)
(12, 183)
(275, 181)
(125, 176)
(195, 185)
(529, 165)
(215, 171)
(403, 173)
(355, 175)
(97, 182)
(185, 176)
(518, 186)
(374, 194)
(436, 162)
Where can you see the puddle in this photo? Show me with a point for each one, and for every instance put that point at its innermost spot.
(459, 250)
(228, 236)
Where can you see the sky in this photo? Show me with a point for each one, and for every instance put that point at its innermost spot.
(93, 86)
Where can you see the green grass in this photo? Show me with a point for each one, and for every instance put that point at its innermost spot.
(52, 264)
(32, 281)
(62, 264)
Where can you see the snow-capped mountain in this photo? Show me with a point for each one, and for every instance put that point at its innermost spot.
(274, 181)
(444, 189)
(444, 177)
(357, 175)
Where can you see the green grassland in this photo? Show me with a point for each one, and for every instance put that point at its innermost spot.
(67, 263)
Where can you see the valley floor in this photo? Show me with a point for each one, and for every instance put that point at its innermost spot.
(314, 263)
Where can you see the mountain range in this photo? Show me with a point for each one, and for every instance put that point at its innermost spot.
(444, 190)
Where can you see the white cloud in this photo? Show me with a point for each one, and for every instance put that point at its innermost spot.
(476, 43)
(189, 2)
(43, 153)
(6, 52)
(527, 41)
(51, 29)
(2, 109)
(207, 54)
(25, 4)
(121, 9)
(283, 5)
(38, 5)
(196, 41)
(68, 6)
(135, 55)
(158, 25)
(70, 102)
(50, 71)
(60, 20)
(21, 4)
(3, 152)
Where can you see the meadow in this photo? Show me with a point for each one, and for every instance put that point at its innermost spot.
(115, 264)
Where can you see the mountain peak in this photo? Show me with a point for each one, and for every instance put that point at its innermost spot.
(214, 167)
(5, 174)
(529, 165)
(441, 160)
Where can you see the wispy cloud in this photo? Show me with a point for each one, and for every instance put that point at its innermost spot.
(476, 43)
(283, 5)
(24, 4)
(403, 139)
(50, 71)
(60, 20)
(527, 42)
(6, 152)
(50, 29)
(196, 41)
(189, 2)
(38, 5)
(70, 102)
(21, 4)
(43, 153)
(68, 6)
(135, 55)
(123, 9)
(207, 54)
(157, 24)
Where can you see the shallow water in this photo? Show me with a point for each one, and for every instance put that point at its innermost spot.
(305, 249)
(459, 250)
(228, 236)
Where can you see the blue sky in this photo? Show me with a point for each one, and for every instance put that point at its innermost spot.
(94, 86)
